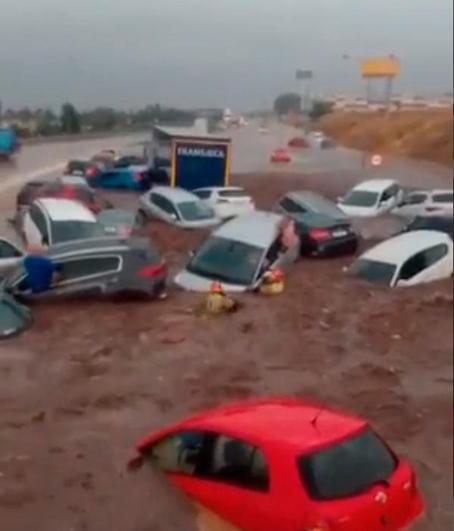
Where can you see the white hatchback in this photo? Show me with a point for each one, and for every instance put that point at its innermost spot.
(408, 259)
(426, 203)
(371, 198)
(228, 202)
(51, 221)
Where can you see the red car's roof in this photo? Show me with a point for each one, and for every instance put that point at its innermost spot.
(300, 425)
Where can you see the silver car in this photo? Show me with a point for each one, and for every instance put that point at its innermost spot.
(238, 254)
(177, 207)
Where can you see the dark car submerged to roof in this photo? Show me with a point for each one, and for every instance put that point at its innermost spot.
(324, 230)
(99, 267)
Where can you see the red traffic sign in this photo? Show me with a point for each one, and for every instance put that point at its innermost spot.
(376, 160)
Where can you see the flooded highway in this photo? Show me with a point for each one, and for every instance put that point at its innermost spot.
(91, 378)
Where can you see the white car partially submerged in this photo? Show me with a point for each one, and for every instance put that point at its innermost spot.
(408, 259)
(177, 207)
(237, 254)
(371, 198)
(227, 202)
(49, 221)
(426, 203)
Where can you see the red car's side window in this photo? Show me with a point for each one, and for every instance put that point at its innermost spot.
(212, 457)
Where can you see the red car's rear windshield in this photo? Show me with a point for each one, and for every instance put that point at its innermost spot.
(348, 468)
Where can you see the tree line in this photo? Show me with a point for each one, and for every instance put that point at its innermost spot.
(47, 122)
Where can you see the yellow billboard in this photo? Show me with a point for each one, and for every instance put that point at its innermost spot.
(380, 67)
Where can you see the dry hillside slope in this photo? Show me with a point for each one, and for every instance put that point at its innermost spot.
(423, 135)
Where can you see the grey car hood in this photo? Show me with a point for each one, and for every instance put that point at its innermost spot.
(192, 282)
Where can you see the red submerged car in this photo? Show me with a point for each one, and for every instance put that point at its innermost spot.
(298, 142)
(280, 155)
(287, 465)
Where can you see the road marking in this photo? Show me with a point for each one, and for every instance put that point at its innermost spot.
(16, 180)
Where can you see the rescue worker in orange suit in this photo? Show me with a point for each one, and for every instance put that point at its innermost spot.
(218, 302)
(273, 282)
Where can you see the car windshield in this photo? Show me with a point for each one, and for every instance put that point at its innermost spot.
(13, 316)
(195, 211)
(361, 198)
(373, 271)
(227, 260)
(323, 206)
(65, 231)
(348, 468)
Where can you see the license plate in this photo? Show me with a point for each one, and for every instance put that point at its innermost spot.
(339, 233)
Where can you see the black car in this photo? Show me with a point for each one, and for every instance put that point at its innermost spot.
(438, 223)
(323, 228)
(106, 266)
(76, 167)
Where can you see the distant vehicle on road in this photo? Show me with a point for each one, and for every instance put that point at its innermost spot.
(437, 223)
(59, 190)
(324, 230)
(327, 143)
(280, 155)
(177, 207)
(51, 221)
(371, 198)
(298, 142)
(426, 203)
(408, 259)
(286, 465)
(9, 143)
(106, 266)
(237, 254)
(227, 202)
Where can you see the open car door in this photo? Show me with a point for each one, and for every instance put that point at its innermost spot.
(10, 256)
(14, 317)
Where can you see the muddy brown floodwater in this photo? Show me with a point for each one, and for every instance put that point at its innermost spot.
(89, 379)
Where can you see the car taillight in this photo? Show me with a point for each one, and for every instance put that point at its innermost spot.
(152, 271)
(319, 234)
(139, 176)
(91, 172)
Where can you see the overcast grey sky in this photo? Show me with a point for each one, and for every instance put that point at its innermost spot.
(237, 53)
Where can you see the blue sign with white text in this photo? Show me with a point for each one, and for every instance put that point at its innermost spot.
(200, 164)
